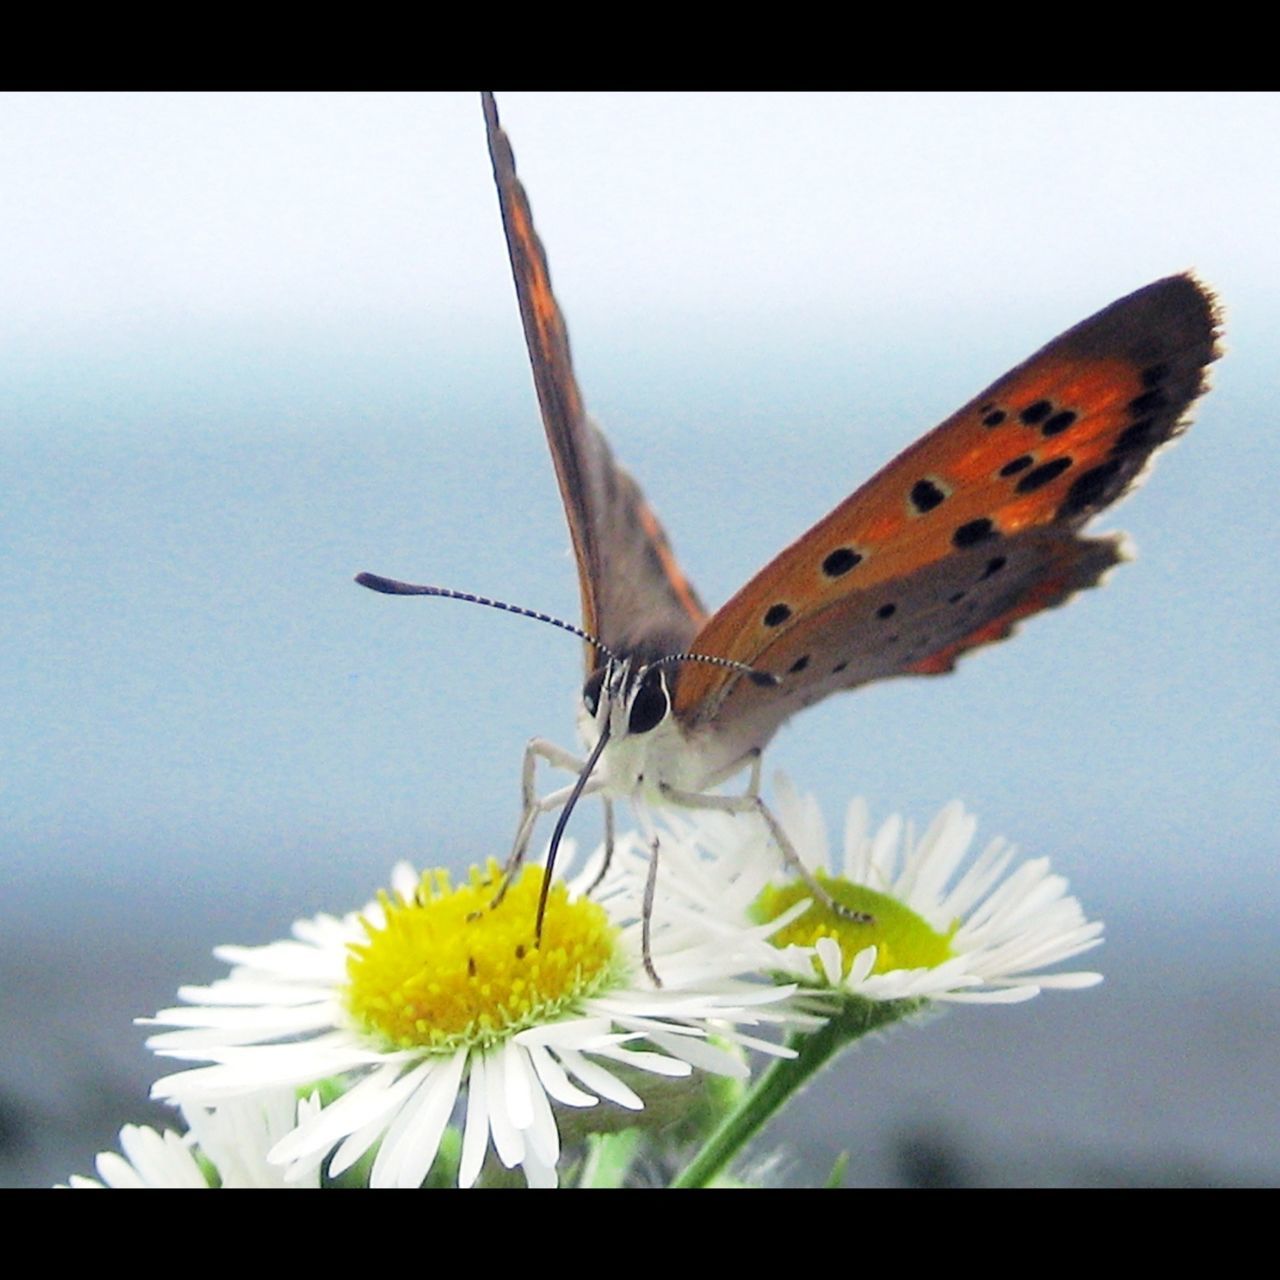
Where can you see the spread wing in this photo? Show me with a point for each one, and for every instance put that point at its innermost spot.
(973, 528)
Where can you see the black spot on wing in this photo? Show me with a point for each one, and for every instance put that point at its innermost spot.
(926, 495)
(1057, 423)
(840, 561)
(1089, 489)
(973, 532)
(1042, 475)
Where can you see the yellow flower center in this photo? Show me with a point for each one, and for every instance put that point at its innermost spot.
(449, 969)
(901, 938)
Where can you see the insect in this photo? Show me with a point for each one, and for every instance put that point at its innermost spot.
(973, 528)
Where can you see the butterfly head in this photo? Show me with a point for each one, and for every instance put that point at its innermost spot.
(632, 696)
(628, 695)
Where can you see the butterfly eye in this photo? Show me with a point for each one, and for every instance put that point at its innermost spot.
(591, 690)
(650, 704)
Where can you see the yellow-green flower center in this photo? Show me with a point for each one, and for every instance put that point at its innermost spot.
(449, 968)
(901, 938)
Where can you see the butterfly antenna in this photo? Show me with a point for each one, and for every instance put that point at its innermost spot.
(762, 678)
(391, 587)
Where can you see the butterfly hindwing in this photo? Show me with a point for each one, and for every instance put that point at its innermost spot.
(634, 596)
(970, 529)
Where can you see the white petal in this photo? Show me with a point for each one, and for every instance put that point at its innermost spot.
(659, 1064)
(974, 883)
(404, 881)
(413, 1137)
(555, 1081)
(161, 1159)
(770, 1047)
(1066, 981)
(574, 1033)
(801, 818)
(700, 1054)
(539, 1176)
(596, 1077)
(857, 847)
(507, 1140)
(863, 963)
(882, 859)
(475, 1132)
(253, 1071)
(521, 1084)
(117, 1172)
(831, 959)
(369, 1100)
(999, 995)
(244, 1025)
(542, 1137)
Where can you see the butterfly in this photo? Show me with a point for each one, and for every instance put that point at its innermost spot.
(972, 529)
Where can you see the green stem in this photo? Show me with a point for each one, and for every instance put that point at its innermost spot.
(786, 1076)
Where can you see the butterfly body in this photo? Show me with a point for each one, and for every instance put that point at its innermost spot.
(975, 527)
(650, 752)
(637, 763)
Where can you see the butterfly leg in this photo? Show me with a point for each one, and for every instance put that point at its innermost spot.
(751, 801)
(546, 804)
(533, 805)
(646, 924)
(557, 757)
(608, 846)
(650, 889)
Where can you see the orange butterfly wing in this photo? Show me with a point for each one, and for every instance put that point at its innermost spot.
(634, 596)
(971, 529)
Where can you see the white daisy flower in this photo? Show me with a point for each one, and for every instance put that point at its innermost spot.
(223, 1148)
(150, 1160)
(434, 992)
(937, 932)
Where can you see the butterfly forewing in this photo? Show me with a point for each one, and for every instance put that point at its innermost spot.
(971, 529)
(634, 596)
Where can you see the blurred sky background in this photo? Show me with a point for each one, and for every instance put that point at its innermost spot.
(252, 344)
